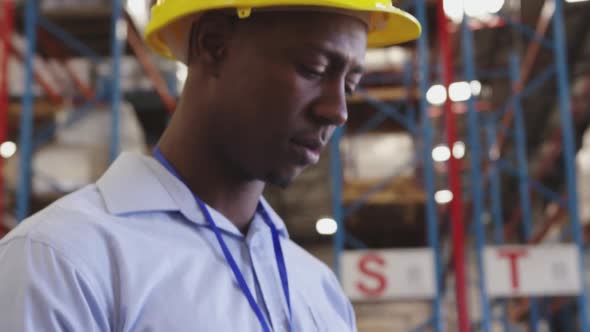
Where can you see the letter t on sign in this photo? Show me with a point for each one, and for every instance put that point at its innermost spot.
(513, 255)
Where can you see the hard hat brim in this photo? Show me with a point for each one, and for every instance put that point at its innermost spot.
(393, 27)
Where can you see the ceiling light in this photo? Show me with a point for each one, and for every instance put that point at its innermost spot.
(475, 87)
(454, 9)
(7, 149)
(494, 6)
(481, 10)
(441, 153)
(138, 9)
(326, 226)
(460, 91)
(443, 196)
(436, 95)
(475, 8)
(459, 150)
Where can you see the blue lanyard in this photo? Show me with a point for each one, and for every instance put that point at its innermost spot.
(230, 259)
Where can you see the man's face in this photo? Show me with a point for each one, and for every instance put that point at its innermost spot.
(281, 91)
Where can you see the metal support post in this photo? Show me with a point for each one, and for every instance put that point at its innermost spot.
(524, 187)
(476, 174)
(428, 166)
(569, 154)
(457, 208)
(26, 119)
(5, 37)
(119, 35)
(5, 40)
(337, 209)
(496, 199)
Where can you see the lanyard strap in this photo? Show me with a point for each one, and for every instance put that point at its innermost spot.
(231, 261)
(280, 259)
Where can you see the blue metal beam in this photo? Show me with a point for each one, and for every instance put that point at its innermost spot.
(522, 160)
(528, 32)
(358, 203)
(390, 111)
(374, 121)
(527, 90)
(118, 35)
(337, 210)
(534, 184)
(536, 82)
(569, 154)
(475, 173)
(26, 120)
(354, 242)
(428, 165)
(68, 39)
(49, 131)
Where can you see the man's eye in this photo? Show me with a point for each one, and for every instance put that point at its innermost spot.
(349, 89)
(311, 73)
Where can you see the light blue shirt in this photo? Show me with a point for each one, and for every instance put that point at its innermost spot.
(134, 253)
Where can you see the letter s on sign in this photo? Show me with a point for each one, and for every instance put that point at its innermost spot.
(367, 267)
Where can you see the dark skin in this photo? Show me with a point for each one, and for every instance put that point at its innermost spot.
(262, 99)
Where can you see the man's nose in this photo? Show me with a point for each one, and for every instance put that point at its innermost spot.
(331, 106)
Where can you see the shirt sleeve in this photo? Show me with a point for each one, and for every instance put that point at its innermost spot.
(40, 290)
(341, 301)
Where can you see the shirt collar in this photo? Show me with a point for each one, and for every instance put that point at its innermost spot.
(135, 183)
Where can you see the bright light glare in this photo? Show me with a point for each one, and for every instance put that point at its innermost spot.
(460, 91)
(475, 88)
(436, 95)
(494, 6)
(441, 153)
(572, 1)
(443, 196)
(7, 149)
(459, 150)
(482, 10)
(454, 9)
(181, 73)
(475, 8)
(138, 9)
(326, 226)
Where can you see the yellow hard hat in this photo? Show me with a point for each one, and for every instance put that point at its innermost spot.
(167, 33)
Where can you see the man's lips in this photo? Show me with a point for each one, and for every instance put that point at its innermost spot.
(309, 148)
(312, 144)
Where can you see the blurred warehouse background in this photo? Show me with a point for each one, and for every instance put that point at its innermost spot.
(457, 197)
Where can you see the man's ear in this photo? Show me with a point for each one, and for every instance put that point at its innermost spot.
(209, 41)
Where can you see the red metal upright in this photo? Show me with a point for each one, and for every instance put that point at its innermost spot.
(457, 208)
(6, 19)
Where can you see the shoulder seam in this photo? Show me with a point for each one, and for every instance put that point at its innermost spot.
(60, 254)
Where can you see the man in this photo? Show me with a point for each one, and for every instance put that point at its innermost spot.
(183, 241)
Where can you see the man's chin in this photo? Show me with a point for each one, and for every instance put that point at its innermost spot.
(283, 179)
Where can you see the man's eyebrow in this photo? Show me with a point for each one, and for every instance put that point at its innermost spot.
(336, 56)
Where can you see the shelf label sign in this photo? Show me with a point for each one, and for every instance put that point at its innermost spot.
(377, 275)
(542, 270)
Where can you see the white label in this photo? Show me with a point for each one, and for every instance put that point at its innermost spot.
(548, 270)
(388, 274)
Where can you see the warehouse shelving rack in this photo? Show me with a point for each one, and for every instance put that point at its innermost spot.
(422, 129)
(108, 89)
(485, 171)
